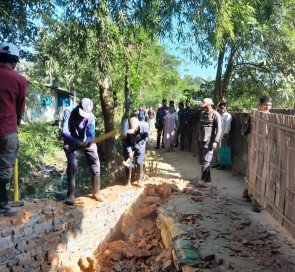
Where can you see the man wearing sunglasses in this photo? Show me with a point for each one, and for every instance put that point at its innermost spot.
(207, 138)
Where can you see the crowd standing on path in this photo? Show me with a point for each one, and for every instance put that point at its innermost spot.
(174, 128)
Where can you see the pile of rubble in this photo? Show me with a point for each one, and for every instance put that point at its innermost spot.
(140, 247)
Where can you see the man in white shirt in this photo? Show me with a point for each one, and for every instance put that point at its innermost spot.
(226, 119)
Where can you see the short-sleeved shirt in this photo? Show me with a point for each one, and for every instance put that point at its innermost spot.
(12, 99)
(141, 115)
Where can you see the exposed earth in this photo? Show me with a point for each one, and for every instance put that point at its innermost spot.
(179, 226)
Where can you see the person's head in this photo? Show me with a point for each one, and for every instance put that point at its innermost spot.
(222, 108)
(188, 104)
(9, 54)
(207, 104)
(85, 108)
(150, 108)
(140, 107)
(171, 103)
(180, 105)
(265, 103)
(164, 103)
(134, 125)
(171, 108)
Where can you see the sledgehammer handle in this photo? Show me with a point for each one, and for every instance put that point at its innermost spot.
(100, 139)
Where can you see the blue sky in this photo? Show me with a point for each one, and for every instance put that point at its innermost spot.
(188, 67)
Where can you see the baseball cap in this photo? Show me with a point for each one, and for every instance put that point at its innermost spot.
(207, 101)
(85, 107)
(9, 48)
(134, 123)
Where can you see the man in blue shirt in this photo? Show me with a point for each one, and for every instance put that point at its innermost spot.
(78, 131)
(186, 126)
(141, 113)
(134, 147)
(161, 113)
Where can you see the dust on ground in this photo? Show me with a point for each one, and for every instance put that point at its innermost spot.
(215, 222)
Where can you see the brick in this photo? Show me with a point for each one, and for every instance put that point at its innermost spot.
(54, 235)
(21, 245)
(6, 249)
(4, 268)
(25, 259)
(28, 231)
(17, 268)
(5, 224)
(13, 254)
(7, 232)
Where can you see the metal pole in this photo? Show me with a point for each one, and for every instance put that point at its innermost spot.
(15, 180)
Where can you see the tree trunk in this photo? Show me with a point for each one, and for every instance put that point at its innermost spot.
(126, 89)
(108, 116)
(227, 74)
(218, 78)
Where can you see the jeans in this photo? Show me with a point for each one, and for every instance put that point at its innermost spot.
(8, 153)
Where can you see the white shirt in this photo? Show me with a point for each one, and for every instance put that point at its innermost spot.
(226, 119)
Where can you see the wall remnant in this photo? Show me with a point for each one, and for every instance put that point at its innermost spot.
(50, 236)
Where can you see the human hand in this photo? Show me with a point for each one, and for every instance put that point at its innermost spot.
(82, 145)
(214, 145)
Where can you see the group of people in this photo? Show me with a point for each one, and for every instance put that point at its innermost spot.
(79, 132)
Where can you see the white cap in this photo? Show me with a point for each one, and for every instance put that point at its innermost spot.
(134, 123)
(9, 48)
(207, 101)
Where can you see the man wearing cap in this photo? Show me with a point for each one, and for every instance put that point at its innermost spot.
(78, 131)
(161, 113)
(134, 147)
(12, 104)
(207, 138)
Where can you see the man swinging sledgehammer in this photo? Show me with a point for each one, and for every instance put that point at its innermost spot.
(78, 132)
(134, 147)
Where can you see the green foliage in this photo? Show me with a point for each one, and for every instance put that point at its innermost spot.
(36, 140)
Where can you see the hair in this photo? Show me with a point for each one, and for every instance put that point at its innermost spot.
(265, 98)
(140, 105)
(7, 58)
(222, 104)
(187, 101)
(164, 100)
(181, 103)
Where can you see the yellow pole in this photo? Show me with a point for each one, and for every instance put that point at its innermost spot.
(15, 179)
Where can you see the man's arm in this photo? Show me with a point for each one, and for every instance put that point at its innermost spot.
(218, 128)
(228, 124)
(65, 130)
(21, 102)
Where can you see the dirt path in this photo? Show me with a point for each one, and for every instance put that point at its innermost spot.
(206, 229)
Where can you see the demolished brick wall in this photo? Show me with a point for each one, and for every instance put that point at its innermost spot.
(50, 236)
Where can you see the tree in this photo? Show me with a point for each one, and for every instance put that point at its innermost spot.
(20, 19)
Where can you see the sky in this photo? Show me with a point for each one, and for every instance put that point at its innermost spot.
(188, 67)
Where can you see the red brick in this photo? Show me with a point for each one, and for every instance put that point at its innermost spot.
(54, 235)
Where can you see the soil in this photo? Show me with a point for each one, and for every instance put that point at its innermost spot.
(227, 234)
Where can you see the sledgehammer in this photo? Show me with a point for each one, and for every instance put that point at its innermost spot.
(126, 163)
